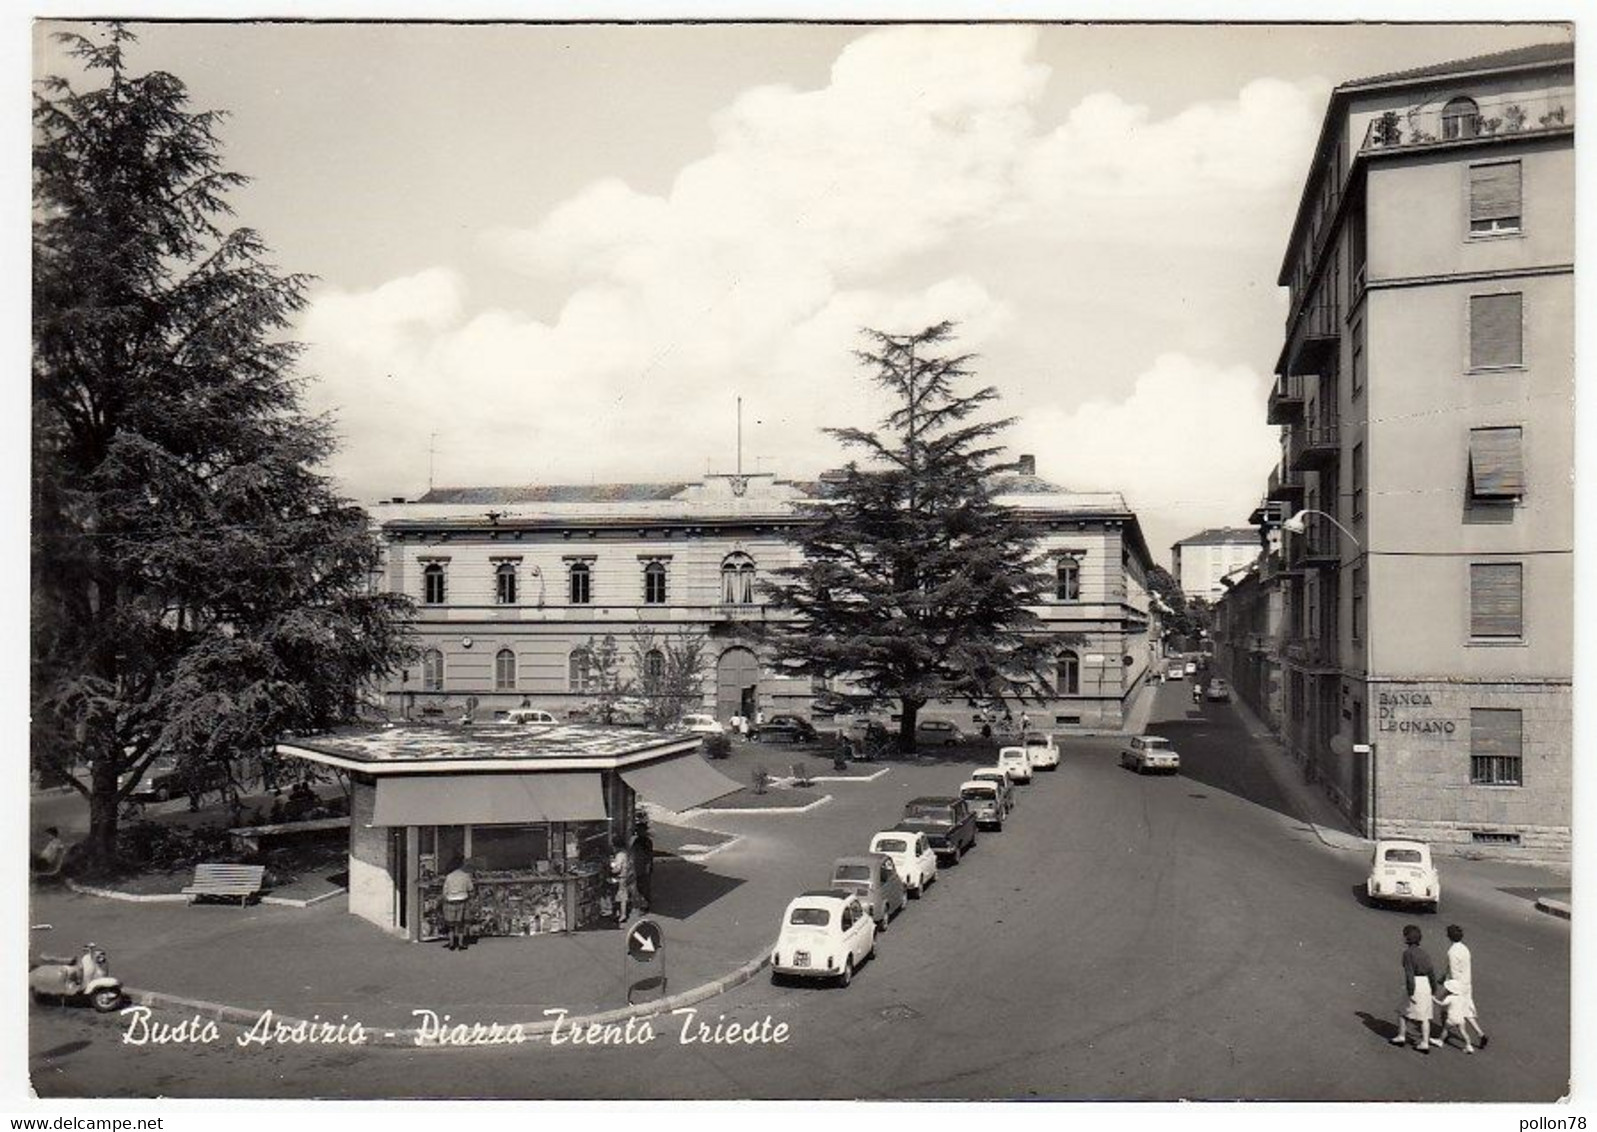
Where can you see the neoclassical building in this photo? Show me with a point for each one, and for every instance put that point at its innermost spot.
(516, 585)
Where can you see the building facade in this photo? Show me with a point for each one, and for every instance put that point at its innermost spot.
(1201, 562)
(1248, 630)
(1424, 393)
(518, 587)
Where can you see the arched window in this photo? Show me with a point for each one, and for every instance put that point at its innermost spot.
(581, 590)
(654, 583)
(653, 670)
(581, 671)
(1067, 579)
(432, 671)
(504, 671)
(505, 583)
(432, 579)
(1461, 118)
(737, 580)
(1069, 673)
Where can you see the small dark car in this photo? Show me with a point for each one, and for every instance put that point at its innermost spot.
(948, 823)
(792, 728)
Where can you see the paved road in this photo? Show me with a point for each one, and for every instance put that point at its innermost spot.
(1125, 937)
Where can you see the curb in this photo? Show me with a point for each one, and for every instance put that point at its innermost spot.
(289, 902)
(780, 810)
(850, 777)
(179, 898)
(1559, 908)
(401, 1038)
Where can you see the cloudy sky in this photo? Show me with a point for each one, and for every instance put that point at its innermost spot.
(559, 254)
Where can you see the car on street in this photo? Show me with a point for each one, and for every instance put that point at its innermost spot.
(999, 778)
(701, 724)
(1041, 750)
(1401, 872)
(1176, 671)
(948, 824)
(826, 934)
(530, 715)
(875, 880)
(1148, 753)
(160, 781)
(984, 803)
(1016, 763)
(1218, 692)
(939, 731)
(912, 856)
(784, 728)
(1192, 668)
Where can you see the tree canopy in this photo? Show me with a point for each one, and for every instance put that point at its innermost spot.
(199, 586)
(915, 584)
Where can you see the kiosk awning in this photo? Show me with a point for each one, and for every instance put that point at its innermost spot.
(680, 783)
(488, 799)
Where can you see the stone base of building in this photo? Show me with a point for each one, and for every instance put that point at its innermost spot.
(1538, 845)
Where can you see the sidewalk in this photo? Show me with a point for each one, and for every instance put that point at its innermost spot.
(718, 901)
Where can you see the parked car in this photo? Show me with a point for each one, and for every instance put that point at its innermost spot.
(912, 856)
(1150, 752)
(1192, 668)
(1218, 692)
(791, 728)
(629, 712)
(1016, 763)
(159, 781)
(875, 880)
(826, 934)
(1041, 750)
(999, 778)
(530, 715)
(701, 724)
(1176, 671)
(948, 824)
(984, 803)
(939, 731)
(1401, 872)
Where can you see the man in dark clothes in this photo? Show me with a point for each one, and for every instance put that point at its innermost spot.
(643, 865)
(1419, 981)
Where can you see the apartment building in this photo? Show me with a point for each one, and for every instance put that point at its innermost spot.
(1200, 562)
(1424, 392)
(516, 587)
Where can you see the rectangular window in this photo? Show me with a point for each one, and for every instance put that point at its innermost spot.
(505, 583)
(1496, 753)
(1496, 324)
(1358, 603)
(581, 583)
(1496, 463)
(1496, 599)
(654, 583)
(1067, 582)
(1494, 198)
(1357, 337)
(1357, 473)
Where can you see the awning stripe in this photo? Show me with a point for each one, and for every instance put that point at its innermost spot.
(680, 783)
(488, 799)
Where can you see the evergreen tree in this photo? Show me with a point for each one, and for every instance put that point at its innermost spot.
(915, 585)
(198, 585)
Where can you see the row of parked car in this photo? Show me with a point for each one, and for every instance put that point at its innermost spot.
(828, 933)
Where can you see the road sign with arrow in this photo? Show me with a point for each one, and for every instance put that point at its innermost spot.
(645, 941)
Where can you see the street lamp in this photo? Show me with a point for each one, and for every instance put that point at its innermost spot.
(1297, 526)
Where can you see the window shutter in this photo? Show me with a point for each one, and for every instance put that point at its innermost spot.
(1494, 330)
(1496, 599)
(1496, 463)
(1494, 192)
(1494, 731)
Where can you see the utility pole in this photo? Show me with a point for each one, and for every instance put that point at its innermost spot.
(740, 437)
(432, 439)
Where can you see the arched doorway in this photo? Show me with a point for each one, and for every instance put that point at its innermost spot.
(737, 676)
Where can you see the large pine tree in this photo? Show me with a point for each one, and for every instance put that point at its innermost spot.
(915, 585)
(198, 585)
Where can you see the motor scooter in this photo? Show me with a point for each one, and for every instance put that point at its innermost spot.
(87, 978)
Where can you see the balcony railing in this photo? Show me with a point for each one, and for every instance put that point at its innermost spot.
(1285, 483)
(1314, 652)
(1502, 117)
(1319, 544)
(1314, 447)
(1286, 399)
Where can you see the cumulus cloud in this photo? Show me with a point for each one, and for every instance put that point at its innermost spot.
(814, 212)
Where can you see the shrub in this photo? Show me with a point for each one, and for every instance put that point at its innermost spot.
(762, 779)
(717, 746)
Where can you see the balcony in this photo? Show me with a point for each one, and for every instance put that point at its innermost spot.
(1287, 485)
(1494, 119)
(1286, 400)
(1315, 447)
(1319, 654)
(1319, 546)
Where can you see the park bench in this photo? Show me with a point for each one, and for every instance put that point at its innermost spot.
(242, 881)
(251, 836)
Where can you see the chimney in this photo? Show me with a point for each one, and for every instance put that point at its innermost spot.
(1028, 465)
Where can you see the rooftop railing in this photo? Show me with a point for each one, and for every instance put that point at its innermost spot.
(1431, 123)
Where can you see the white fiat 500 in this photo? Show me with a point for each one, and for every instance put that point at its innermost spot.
(1401, 872)
(1016, 763)
(826, 934)
(1042, 751)
(913, 857)
(702, 724)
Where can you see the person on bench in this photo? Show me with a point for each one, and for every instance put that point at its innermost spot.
(48, 860)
